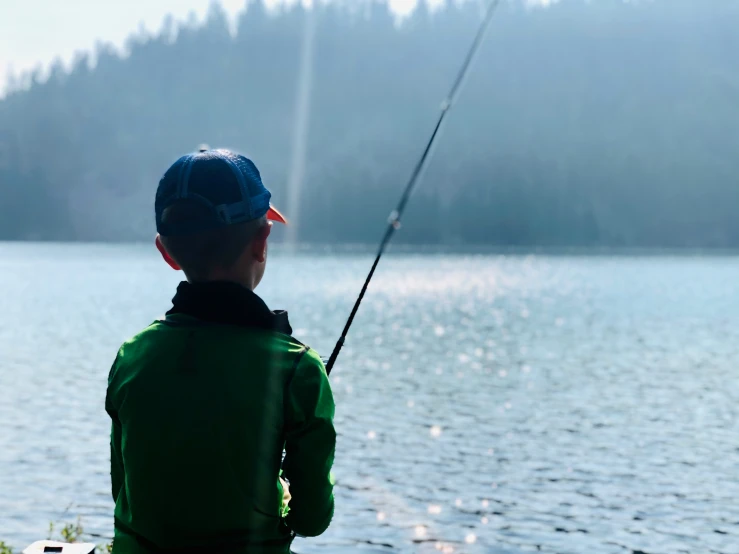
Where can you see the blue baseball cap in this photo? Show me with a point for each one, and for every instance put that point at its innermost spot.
(227, 185)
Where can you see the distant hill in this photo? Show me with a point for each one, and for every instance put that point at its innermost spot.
(597, 123)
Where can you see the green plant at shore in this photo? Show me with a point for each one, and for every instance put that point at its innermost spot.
(72, 532)
(69, 533)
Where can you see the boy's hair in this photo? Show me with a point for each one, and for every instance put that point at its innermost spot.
(198, 254)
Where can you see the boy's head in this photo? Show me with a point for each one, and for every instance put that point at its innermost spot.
(213, 218)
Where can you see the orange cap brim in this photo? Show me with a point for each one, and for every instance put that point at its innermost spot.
(274, 215)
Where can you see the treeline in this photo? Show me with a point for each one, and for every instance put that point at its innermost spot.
(583, 124)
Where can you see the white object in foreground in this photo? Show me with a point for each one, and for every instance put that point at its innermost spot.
(41, 547)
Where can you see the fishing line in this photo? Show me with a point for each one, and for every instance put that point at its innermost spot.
(397, 213)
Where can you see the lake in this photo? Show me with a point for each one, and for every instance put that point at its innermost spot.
(485, 402)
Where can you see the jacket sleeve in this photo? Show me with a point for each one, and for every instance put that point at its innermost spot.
(310, 445)
(116, 457)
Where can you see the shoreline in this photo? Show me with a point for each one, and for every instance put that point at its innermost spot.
(310, 248)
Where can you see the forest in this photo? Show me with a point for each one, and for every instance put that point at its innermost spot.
(582, 124)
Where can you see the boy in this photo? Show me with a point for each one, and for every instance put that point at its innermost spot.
(204, 401)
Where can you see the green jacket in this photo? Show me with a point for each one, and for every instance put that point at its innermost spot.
(203, 404)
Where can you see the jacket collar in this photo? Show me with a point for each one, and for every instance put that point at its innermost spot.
(228, 304)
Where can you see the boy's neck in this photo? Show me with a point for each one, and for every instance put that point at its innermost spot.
(247, 279)
(214, 280)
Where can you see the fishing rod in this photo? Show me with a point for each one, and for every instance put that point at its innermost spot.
(397, 213)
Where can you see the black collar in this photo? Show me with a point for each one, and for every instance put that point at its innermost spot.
(229, 304)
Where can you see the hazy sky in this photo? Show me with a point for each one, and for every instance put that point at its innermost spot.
(37, 31)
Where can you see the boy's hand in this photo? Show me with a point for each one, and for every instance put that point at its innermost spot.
(285, 496)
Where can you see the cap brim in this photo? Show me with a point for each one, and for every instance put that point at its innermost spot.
(274, 215)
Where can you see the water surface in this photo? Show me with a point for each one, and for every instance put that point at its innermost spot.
(485, 403)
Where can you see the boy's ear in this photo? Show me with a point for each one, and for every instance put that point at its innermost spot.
(167, 258)
(259, 244)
